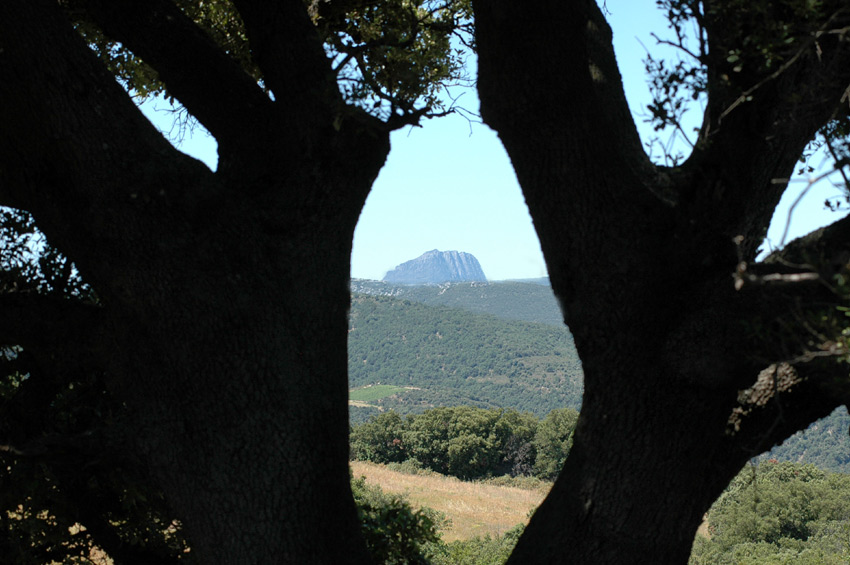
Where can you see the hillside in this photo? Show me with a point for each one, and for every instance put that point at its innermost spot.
(475, 509)
(825, 443)
(449, 356)
(528, 301)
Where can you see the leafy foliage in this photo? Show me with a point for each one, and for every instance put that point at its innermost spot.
(395, 533)
(28, 263)
(391, 58)
(390, 55)
(779, 513)
(741, 45)
(379, 439)
(489, 550)
(553, 441)
(66, 487)
(468, 442)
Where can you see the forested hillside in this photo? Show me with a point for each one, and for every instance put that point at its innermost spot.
(449, 356)
(825, 443)
(528, 301)
(447, 351)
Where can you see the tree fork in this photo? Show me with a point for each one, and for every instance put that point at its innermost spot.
(642, 259)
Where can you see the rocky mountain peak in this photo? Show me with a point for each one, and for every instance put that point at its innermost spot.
(435, 267)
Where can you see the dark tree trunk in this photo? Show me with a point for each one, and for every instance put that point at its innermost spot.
(641, 258)
(223, 297)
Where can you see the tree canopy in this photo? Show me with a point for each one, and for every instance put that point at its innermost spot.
(390, 59)
(779, 513)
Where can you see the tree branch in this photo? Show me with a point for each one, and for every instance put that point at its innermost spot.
(830, 243)
(756, 127)
(783, 400)
(572, 41)
(214, 89)
(101, 169)
(555, 96)
(40, 322)
(285, 45)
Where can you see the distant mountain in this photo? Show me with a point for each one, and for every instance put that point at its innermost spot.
(531, 301)
(434, 267)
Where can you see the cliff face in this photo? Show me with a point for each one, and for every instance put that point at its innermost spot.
(436, 267)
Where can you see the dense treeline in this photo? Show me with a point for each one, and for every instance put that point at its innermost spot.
(779, 513)
(469, 442)
(451, 356)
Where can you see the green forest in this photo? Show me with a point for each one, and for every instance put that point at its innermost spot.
(446, 356)
(779, 513)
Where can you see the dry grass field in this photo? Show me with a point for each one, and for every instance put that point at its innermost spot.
(475, 509)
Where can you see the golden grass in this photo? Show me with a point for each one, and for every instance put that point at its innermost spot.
(475, 509)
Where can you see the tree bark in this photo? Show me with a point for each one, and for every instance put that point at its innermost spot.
(223, 296)
(641, 258)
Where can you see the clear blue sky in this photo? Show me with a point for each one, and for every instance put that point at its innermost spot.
(449, 184)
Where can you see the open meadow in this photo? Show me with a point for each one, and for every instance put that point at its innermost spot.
(474, 508)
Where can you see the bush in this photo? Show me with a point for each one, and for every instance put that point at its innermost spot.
(379, 440)
(480, 551)
(395, 533)
(522, 481)
(553, 441)
(779, 513)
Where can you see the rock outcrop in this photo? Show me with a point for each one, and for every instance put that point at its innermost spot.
(435, 267)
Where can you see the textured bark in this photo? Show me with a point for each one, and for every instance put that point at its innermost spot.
(224, 296)
(641, 258)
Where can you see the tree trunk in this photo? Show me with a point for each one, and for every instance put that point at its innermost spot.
(223, 297)
(642, 259)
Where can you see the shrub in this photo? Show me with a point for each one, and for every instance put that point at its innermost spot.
(395, 533)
